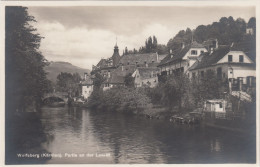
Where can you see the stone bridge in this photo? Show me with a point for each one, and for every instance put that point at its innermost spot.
(61, 95)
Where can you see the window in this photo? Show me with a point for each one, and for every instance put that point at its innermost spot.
(152, 61)
(202, 73)
(230, 58)
(87, 86)
(193, 52)
(220, 105)
(193, 75)
(241, 58)
(219, 72)
(202, 51)
(182, 69)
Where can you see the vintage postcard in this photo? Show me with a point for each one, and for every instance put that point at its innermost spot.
(130, 83)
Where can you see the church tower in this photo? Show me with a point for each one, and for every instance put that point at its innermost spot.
(116, 56)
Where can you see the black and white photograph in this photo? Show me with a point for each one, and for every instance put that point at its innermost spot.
(120, 83)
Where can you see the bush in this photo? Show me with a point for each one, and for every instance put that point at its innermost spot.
(119, 99)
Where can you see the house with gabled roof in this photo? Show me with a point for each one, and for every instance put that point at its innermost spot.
(228, 62)
(182, 59)
(141, 59)
(146, 76)
(116, 78)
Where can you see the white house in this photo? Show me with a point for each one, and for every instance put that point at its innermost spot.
(182, 59)
(227, 62)
(87, 86)
(215, 105)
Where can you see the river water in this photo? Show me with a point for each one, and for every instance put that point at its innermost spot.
(113, 137)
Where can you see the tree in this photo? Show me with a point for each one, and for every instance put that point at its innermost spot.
(67, 82)
(226, 31)
(154, 45)
(97, 81)
(208, 87)
(176, 91)
(135, 51)
(252, 24)
(126, 51)
(25, 76)
(129, 81)
(149, 45)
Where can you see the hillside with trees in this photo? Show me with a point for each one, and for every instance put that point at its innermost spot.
(226, 31)
(55, 68)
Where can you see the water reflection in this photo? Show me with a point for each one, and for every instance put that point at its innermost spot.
(131, 139)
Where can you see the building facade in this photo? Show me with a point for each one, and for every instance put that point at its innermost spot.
(182, 59)
(146, 76)
(87, 86)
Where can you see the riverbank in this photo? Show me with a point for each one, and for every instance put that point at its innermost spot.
(24, 135)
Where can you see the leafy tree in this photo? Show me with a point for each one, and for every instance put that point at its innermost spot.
(25, 76)
(149, 45)
(129, 81)
(67, 82)
(208, 87)
(135, 51)
(175, 91)
(252, 24)
(126, 51)
(154, 45)
(97, 81)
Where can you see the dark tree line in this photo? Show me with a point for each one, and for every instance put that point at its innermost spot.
(25, 77)
(25, 84)
(226, 31)
(151, 46)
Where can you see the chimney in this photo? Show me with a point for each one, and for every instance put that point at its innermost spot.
(182, 45)
(232, 44)
(216, 43)
(211, 50)
(170, 51)
(122, 68)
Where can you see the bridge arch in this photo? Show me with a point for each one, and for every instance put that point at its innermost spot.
(56, 96)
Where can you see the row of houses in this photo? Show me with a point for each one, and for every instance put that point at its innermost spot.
(194, 59)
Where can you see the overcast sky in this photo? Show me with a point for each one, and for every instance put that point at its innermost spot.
(83, 35)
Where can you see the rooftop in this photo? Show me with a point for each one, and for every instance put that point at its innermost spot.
(180, 53)
(140, 58)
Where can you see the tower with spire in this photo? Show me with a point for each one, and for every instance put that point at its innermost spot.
(116, 56)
